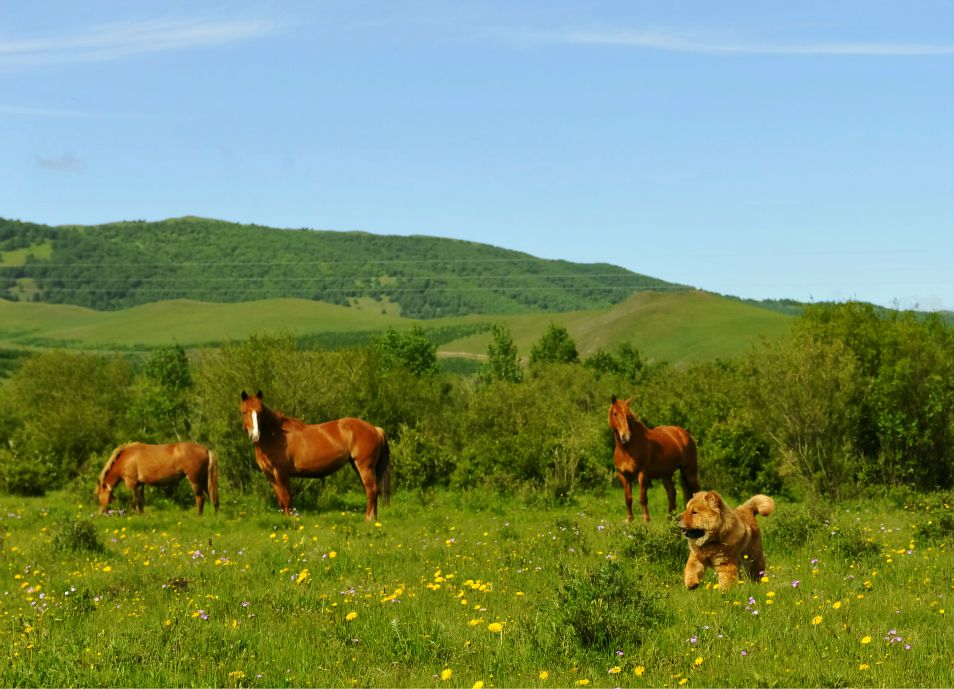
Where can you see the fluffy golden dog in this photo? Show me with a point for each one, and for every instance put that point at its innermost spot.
(723, 538)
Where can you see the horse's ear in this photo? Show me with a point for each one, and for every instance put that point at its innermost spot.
(244, 395)
(259, 394)
(613, 399)
(628, 401)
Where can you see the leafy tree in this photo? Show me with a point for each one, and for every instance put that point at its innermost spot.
(625, 363)
(503, 363)
(69, 408)
(159, 408)
(555, 346)
(411, 349)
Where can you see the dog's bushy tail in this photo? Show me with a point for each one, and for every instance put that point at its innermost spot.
(760, 505)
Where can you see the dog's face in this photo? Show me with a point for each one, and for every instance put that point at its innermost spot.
(702, 520)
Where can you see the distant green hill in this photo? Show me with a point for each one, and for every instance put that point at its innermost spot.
(122, 265)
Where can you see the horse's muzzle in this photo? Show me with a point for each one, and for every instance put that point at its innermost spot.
(253, 435)
(624, 438)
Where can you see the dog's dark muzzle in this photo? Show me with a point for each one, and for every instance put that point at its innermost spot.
(693, 533)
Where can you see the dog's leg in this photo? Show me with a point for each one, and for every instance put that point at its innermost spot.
(728, 574)
(694, 571)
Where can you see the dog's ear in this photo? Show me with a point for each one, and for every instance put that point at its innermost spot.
(714, 500)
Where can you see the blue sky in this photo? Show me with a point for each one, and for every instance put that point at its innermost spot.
(761, 149)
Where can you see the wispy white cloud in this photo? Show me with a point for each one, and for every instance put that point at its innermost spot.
(64, 163)
(653, 39)
(121, 39)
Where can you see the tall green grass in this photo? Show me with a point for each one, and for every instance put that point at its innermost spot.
(461, 589)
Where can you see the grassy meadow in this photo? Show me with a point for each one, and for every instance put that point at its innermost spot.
(466, 590)
(680, 328)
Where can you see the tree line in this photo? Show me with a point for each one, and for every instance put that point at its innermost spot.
(853, 398)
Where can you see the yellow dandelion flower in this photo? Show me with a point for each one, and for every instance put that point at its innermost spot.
(698, 661)
(446, 674)
(479, 684)
(863, 666)
(332, 554)
(639, 670)
(495, 627)
(351, 616)
(615, 670)
(544, 675)
(582, 682)
(836, 604)
(817, 619)
(683, 681)
(866, 639)
(474, 622)
(236, 674)
(107, 568)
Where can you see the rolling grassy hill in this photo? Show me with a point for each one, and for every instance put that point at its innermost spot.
(679, 327)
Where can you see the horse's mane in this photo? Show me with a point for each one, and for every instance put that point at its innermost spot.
(284, 419)
(112, 460)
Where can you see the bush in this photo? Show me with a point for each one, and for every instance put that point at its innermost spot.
(77, 536)
(664, 548)
(605, 609)
(29, 478)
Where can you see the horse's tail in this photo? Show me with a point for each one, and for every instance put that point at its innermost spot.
(759, 505)
(689, 469)
(382, 470)
(213, 480)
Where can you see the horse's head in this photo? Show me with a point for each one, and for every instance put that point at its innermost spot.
(251, 413)
(105, 493)
(619, 414)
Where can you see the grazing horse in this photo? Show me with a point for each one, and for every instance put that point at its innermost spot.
(286, 447)
(646, 453)
(138, 464)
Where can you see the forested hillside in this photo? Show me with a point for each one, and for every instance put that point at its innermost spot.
(119, 265)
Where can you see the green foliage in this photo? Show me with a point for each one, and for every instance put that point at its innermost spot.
(411, 349)
(655, 548)
(555, 346)
(66, 407)
(120, 265)
(503, 362)
(626, 363)
(77, 536)
(607, 608)
(159, 408)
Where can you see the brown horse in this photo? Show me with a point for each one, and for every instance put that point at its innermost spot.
(138, 464)
(286, 447)
(646, 453)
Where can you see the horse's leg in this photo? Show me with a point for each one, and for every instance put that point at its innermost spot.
(628, 492)
(643, 498)
(282, 487)
(199, 496)
(670, 492)
(140, 496)
(366, 472)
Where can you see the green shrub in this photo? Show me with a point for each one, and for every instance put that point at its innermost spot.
(77, 536)
(605, 609)
(664, 547)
